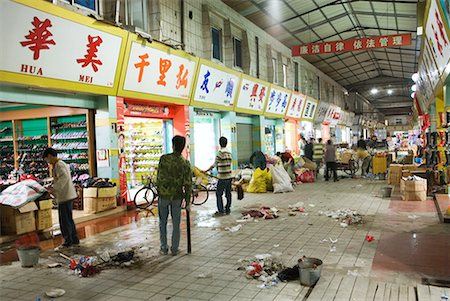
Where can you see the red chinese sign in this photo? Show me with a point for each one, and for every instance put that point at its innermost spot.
(39, 37)
(91, 57)
(352, 45)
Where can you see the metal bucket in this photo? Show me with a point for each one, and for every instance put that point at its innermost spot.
(309, 269)
(386, 192)
(28, 257)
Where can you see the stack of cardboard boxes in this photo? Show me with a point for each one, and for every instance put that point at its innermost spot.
(413, 189)
(99, 199)
(27, 218)
(395, 174)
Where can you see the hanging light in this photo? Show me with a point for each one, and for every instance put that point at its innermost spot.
(414, 87)
(413, 95)
(389, 92)
(374, 91)
(415, 77)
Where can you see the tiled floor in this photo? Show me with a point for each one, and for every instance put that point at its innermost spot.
(391, 264)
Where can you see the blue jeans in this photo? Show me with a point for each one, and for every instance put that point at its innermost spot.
(175, 212)
(66, 223)
(223, 185)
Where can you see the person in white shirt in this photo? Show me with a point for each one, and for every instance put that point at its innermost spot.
(64, 192)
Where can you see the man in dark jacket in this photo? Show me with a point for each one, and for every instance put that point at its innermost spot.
(309, 149)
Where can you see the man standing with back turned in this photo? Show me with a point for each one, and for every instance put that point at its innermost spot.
(223, 163)
(174, 182)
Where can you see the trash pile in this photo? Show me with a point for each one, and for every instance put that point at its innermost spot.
(125, 257)
(345, 216)
(263, 267)
(263, 212)
(84, 266)
(87, 266)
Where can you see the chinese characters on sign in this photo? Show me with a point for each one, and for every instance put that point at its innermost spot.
(310, 109)
(89, 58)
(215, 86)
(296, 105)
(157, 72)
(322, 111)
(352, 45)
(278, 101)
(252, 95)
(39, 45)
(38, 37)
(436, 36)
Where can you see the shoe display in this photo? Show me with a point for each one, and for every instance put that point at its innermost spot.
(144, 146)
(6, 150)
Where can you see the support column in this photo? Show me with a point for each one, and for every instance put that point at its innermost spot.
(191, 144)
(228, 130)
(432, 113)
(279, 135)
(258, 129)
(106, 138)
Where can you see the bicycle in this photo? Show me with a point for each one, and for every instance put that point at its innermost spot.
(200, 192)
(146, 196)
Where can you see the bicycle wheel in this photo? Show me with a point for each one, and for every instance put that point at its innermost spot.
(143, 198)
(200, 194)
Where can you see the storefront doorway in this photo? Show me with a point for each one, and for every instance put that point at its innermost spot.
(206, 138)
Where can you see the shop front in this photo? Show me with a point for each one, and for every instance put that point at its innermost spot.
(152, 107)
(322, 129)
(307, 129)
(249, 108)
(274, 125)
(49, 102)
(291, 126)
(211, 113)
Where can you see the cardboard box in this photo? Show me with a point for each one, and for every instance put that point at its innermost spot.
(414, 195)
(47, 204)
(94, 192)
(417, 185)
(409, 167)
(94, 205)
(18, 221)
(379, 165)
(395, 169)
(44, 219)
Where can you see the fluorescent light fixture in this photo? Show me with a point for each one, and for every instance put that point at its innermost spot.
(386, 122)
(414, 87)
(415, 77)
(374, 91)
(413, 94)
(390, 91)
(419, 30)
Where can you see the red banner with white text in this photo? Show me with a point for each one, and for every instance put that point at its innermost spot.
(352, 45)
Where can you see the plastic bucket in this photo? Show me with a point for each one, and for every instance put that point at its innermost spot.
(386, 192)
(309, 269)
(28, 257)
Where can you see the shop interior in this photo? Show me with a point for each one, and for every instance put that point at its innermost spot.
(27, 130)
(146, 140)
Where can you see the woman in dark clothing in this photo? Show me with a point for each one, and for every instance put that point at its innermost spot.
(330, 160)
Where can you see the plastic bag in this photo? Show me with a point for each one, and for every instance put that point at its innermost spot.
(258, 181)
(307, 177)
(201, 175)
(281, 180)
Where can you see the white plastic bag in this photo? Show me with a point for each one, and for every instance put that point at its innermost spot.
(281, 179)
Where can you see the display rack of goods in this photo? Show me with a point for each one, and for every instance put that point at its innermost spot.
(69, 137)
(31, 141)
(144, 145)
(6, 149)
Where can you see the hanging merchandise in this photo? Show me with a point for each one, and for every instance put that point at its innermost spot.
(144, 145)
